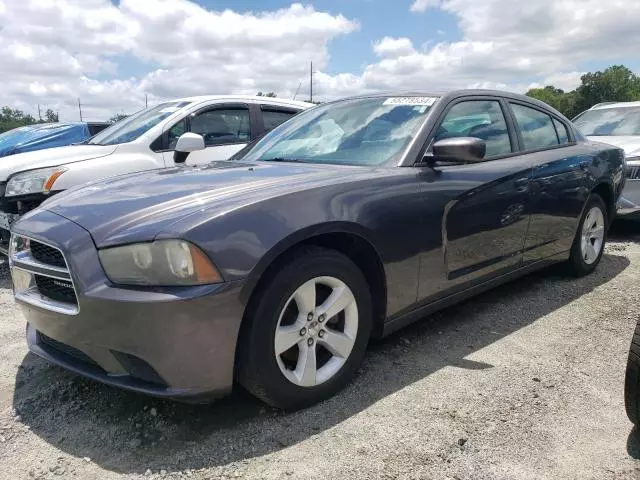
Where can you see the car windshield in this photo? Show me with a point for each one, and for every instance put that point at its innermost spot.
(365, 131)
(610, 121)
(130, 128)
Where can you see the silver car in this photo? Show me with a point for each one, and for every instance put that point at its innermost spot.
(618, 123)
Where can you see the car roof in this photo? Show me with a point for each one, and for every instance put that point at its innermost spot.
(457, 93)
(605, 105)
(252, 98)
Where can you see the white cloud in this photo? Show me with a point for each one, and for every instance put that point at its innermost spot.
(422, 5)
(566, 81)
(393, 47)
(507, 44)
(55, 51)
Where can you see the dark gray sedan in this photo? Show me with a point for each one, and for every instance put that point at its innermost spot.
(274, 269)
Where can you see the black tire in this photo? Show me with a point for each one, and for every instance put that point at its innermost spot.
(258, 369)
(632, 381)
(576, 264)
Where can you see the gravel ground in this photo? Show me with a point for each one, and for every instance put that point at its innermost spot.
(524, 382)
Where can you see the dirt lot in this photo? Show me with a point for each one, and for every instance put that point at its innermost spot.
(523, 382)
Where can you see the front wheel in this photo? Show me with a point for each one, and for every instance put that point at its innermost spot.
(307, 330)
(590, 238)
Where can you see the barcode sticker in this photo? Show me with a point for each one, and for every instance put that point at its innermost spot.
(410, 101)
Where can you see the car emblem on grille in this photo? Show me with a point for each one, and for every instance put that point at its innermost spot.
(62, 284)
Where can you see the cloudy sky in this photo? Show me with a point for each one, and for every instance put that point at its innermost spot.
(111, 54)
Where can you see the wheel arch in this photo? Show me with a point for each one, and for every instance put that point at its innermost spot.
(605, 191)
(350, 239)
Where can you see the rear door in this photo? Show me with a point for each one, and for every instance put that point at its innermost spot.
(558, 180)
(484, 223)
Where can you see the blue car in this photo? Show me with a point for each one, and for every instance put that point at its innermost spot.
(46, 135)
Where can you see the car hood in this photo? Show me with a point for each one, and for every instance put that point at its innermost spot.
(630, 144)
(137, 207)
(51, 157)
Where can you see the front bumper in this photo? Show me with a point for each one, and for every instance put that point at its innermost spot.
(629, 203)
(167, 342)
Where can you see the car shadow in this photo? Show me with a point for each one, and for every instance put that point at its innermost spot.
(5, 277)
(624, 230)
(633, 443)
(128, 433)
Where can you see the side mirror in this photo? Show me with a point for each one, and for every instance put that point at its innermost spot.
(459, 149)
(187, 143)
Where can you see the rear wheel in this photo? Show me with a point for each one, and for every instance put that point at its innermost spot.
(307, 330)
(590, 239)
(632, 381)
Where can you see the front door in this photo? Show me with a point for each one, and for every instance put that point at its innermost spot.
(484, 222)
(226, 129)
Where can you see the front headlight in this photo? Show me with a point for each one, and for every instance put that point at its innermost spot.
(161, 263)
(34, 181)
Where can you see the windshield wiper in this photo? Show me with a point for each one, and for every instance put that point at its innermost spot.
(282, 159)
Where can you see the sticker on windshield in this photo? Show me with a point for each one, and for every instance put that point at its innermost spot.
(410, 101)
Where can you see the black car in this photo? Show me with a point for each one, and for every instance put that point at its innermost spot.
(275, 268)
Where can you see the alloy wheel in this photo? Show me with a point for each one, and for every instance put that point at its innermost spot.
(592, 235)
(316, 331)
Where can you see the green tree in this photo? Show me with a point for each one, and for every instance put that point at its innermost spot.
(11, 118)
(556, 97)
(615, 84)
(270, 94)
(51, 116)
(117, 117)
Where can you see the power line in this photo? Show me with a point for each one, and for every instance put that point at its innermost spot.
(297, 90)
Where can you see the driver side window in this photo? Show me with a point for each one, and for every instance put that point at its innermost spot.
(175, 132)
(481, 119)
(222, 126)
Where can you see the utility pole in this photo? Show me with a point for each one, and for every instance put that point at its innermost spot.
(146, 102)
(39, 115)
(311, 83)
(80, 109)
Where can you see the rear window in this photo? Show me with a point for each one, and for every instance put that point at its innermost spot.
(537, 128)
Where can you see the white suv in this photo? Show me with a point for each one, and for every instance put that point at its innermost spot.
(143, 141)
(618, 123)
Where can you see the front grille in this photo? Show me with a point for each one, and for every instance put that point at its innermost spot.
(41, 276)
(58, 348)
(58, 290)
(46, 254)
(633, 173)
